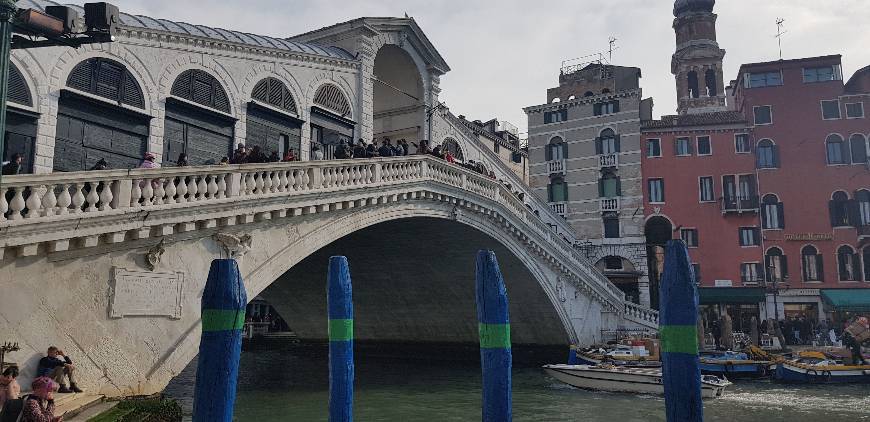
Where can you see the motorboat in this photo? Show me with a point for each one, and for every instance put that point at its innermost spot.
(805, 370)
(627, 380)
(620, 355)
(733, 364)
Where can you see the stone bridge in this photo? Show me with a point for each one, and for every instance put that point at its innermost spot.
(110, 265)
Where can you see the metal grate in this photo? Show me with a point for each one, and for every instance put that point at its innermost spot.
(202, 88)
(330, 97)
(274, 92)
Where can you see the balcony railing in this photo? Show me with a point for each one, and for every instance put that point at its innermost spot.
(739, 204)
(608, 160)
(609, 204)
(560, 208)
(556, 166)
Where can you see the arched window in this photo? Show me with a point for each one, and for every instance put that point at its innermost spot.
(858, 147)
(862, 197)
(451, 145)
(658, 230)
(772, 212)
(330, 97)
(836, 150)
(693, 84)
(202, 88)
(609, 185)
(274, 92)
(557, 191)
(556, 150)
(710, 79)
(607, 142)
(108, 79)
(776, 265)
(839, 209)
(847, 264)
(19, 93)
(766, 155)
(811, 264)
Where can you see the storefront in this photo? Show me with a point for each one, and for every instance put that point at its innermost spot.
(843, 305)
(329, 129)
(795, 303)
(741, 303)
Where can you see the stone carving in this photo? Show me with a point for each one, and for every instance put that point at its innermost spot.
(235, 246)
(145, 293)
(560, 289)
(152, 256)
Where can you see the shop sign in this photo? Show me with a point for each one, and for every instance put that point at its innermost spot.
(723, 283)
(809, 237)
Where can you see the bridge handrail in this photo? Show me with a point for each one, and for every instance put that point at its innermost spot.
(53, 197)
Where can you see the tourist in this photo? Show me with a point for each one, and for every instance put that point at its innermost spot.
(149, 161)
(290, 155)
(256, 155)
(386, 150)
(716, 330)
(9, 388)
(240, 155)
(316, 153)
(273, 157)
(182, 160)
(341, 151)
(405, 147)
(13, 167)
(449, 157)
(437, 152)
(423, 148)
(39, 405)
(56, 365)
(359, 150)
(225, 161)
(101, 164)
(372, 150)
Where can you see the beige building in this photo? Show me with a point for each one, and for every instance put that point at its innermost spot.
(584, 149)
(502, 138)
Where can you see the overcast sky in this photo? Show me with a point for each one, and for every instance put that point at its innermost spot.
(504, 54)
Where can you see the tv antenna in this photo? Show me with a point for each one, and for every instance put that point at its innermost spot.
(612, 46)
(779, 33)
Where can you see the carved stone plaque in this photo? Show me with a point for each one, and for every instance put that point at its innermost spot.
(146, 293)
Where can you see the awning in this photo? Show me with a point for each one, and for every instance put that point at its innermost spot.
(730, 295)
(854, 300)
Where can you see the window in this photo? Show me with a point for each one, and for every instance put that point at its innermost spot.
(776, 265)
(847, 264)
(823, 74)
(653, 148)
(558, 190)
(105, 78)
(330, 97)
(274, 92)
(557, 150)
(496, 147)
(710, 79)
(831, 110)
(766, 155)
(611, 225)
(609, 185)
(690, 236)
(811, 264)
(608, 107)
(762, 79)
(704, 146)
(750, 272)
(656, 190)
(742, 144)
(749, 236)
(612, 263)
(839, 207)
(692, 79)
(607, 142)
(858, 148)
(862, 197)
(763, 115)
(202, 88)
(555, 116)
(835, 150)
(705, 188)
(772, 213)
(854, 110)
(682, 147)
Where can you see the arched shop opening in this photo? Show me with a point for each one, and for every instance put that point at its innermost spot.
(331, 119)
(198, 121)
(658, 231)
(273, 121)
(399, 99)
(21, 124)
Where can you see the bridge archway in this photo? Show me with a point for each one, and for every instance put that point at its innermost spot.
(399, 97)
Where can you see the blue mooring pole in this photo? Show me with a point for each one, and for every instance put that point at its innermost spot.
(223, 317)
(339, 298)
(678, 329)
(495, 339)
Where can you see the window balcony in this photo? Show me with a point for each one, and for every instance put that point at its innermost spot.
(739, 204)
(560, 208)
(556, 167)
(608, 204)
(608, 160)
(864, 232)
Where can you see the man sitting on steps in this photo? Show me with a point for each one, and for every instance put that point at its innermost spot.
(55, 366)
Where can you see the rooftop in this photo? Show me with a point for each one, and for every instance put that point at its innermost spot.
(703, 119)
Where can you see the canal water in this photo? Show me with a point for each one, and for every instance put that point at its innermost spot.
(290, 383)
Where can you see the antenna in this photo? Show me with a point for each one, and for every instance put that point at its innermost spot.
(779, 34)
(612, 43)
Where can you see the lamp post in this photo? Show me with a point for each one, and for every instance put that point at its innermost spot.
(7, 14)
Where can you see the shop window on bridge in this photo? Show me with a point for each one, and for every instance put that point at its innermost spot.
(330, 119)
(90, 129)
(858, 147)
(453, 147)
(772, 212)
(776, 265)
(277, 128)
(811, 264)
(613, 263)
(847, 264)
(198, 124)
(21, 124)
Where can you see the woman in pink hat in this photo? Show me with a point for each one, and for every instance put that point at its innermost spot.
(148, 161)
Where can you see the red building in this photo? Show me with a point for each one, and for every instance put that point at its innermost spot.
(768, 182)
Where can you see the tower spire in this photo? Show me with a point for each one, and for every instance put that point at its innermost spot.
(697, 61)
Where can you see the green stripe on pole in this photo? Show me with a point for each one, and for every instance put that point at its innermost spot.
(494, 336)
(679, 339)
(340, 329)
(222, 319)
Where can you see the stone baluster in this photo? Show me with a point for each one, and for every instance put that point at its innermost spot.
(106, 195)
(181, 189)
(170, 190)
(277, 184)
(243, 182)
(308, 181)
(34, 202)
(258, 183)
(4, 206)
(64, 201)
(159, 191)
(148, 193)
(222, 186)
(78, 198)
(266, 176)
(283, 182)
(192, 188)
(201, 188)
(213, 186)
(49, 201)
(17, 204)
(250, 184)
(136, 192)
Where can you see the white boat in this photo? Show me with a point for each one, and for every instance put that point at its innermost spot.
(627, 380)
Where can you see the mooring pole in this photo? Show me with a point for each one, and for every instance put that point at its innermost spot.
(495, 339)
(339, 297)
(223, 317)
(678, 318)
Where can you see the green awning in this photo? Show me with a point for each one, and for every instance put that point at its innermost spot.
(854, 300)
(730, 295)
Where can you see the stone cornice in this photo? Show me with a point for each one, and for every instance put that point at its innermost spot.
(581, 101)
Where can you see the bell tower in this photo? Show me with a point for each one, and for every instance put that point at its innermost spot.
(697, 62)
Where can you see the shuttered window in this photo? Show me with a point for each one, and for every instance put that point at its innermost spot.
(108, 79)
(202, 88)
(330, 97)
(18, 91)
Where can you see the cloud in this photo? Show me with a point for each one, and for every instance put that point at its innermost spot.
(504, 54)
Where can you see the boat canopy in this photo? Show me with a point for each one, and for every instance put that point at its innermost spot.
(742, 295)
(854, 300)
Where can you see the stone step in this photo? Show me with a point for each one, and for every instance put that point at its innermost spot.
(69, 405)
(95, 410)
